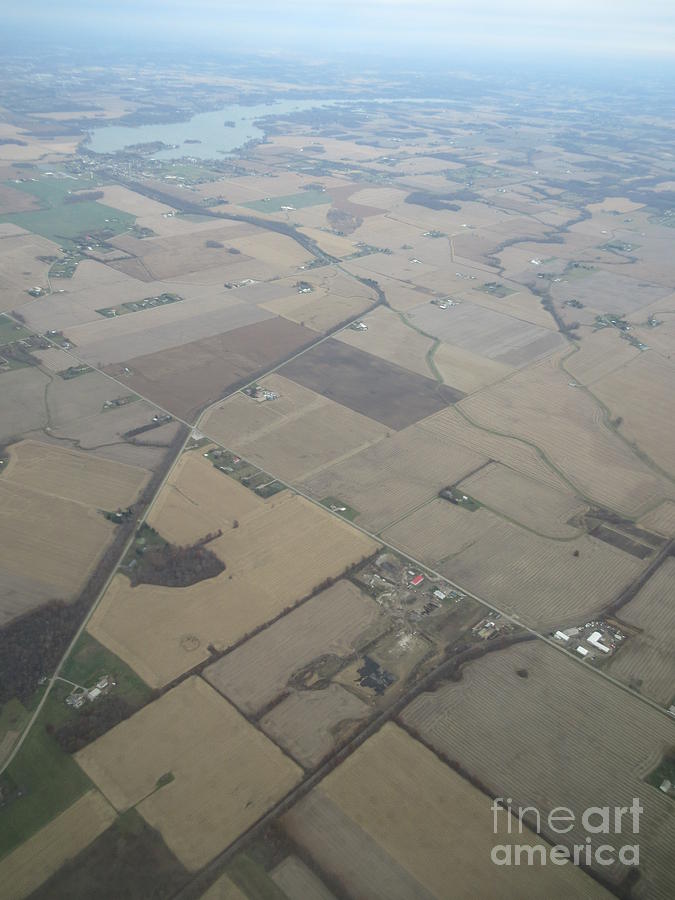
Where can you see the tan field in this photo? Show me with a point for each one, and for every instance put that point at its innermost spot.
(27, 867)
(535, 578)
(30, 148)
(526, 500)
(449, 425)
(322, 311)
(540, 406)
(298, 882)
(439, 530)
(466, 370)
(645, 660)
(337, 621)
(295, 436)
(661, 519)
(641, 393)
(50, 511)
(599, 354)
(396, 475)
(190, 732)
(390, 338)
(353, 826)
(539, 579)
(72, 475)
(503, 338)
(283, 548)
(307, 724)
(105, 341)
(130, 202)
(51, 546)
(566, 738)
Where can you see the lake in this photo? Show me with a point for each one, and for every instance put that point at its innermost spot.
(208, 128)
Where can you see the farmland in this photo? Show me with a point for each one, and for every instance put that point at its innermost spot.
(394, 476)
(51, 511)
(297, 434)
(352, 826)
(393, 396)
(646, 661)
(545, 410)
(390, 424)
(564, 713)
(41, 855)
(256, 586)
(187, 378)
(335, 622)
(205, 806)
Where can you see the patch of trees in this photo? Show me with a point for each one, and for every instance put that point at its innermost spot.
(32, 645)
(174, 566)
(91, 722)
(83, 197)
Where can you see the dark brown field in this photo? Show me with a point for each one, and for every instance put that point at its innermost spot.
(186, 379)
(368, 385)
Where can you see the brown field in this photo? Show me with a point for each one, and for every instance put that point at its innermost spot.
(107, 341)
(337, 621)
(295, 436)
(526, 500)
(661, 519)
(322, 311)
(641, 393)
(645, 660)
(189, 732)
(368, 385)
(186, 379)
(566, 738)
(502, 338)
(13, 201)
(24, 870)
(389, 338)
(438, 530)
(299, 882)
(307, 724)
(354, 827)
(540, 406)
(389, 479)
(50, 513)
(466, 370)
(281, 550)
(72, 475)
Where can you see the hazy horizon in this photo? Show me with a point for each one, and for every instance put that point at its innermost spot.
(563, 34)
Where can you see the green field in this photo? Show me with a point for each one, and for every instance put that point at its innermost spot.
(60, 221)
(342, 509)
(128, 860)
(41, 782)
(10, 331)
(90, 661)
(496, 289)
(253, 879)
(298, 201)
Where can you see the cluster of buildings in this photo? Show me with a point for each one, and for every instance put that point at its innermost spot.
(81, 695)
(595, 639)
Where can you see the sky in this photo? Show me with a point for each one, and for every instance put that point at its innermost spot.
(560, 28)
